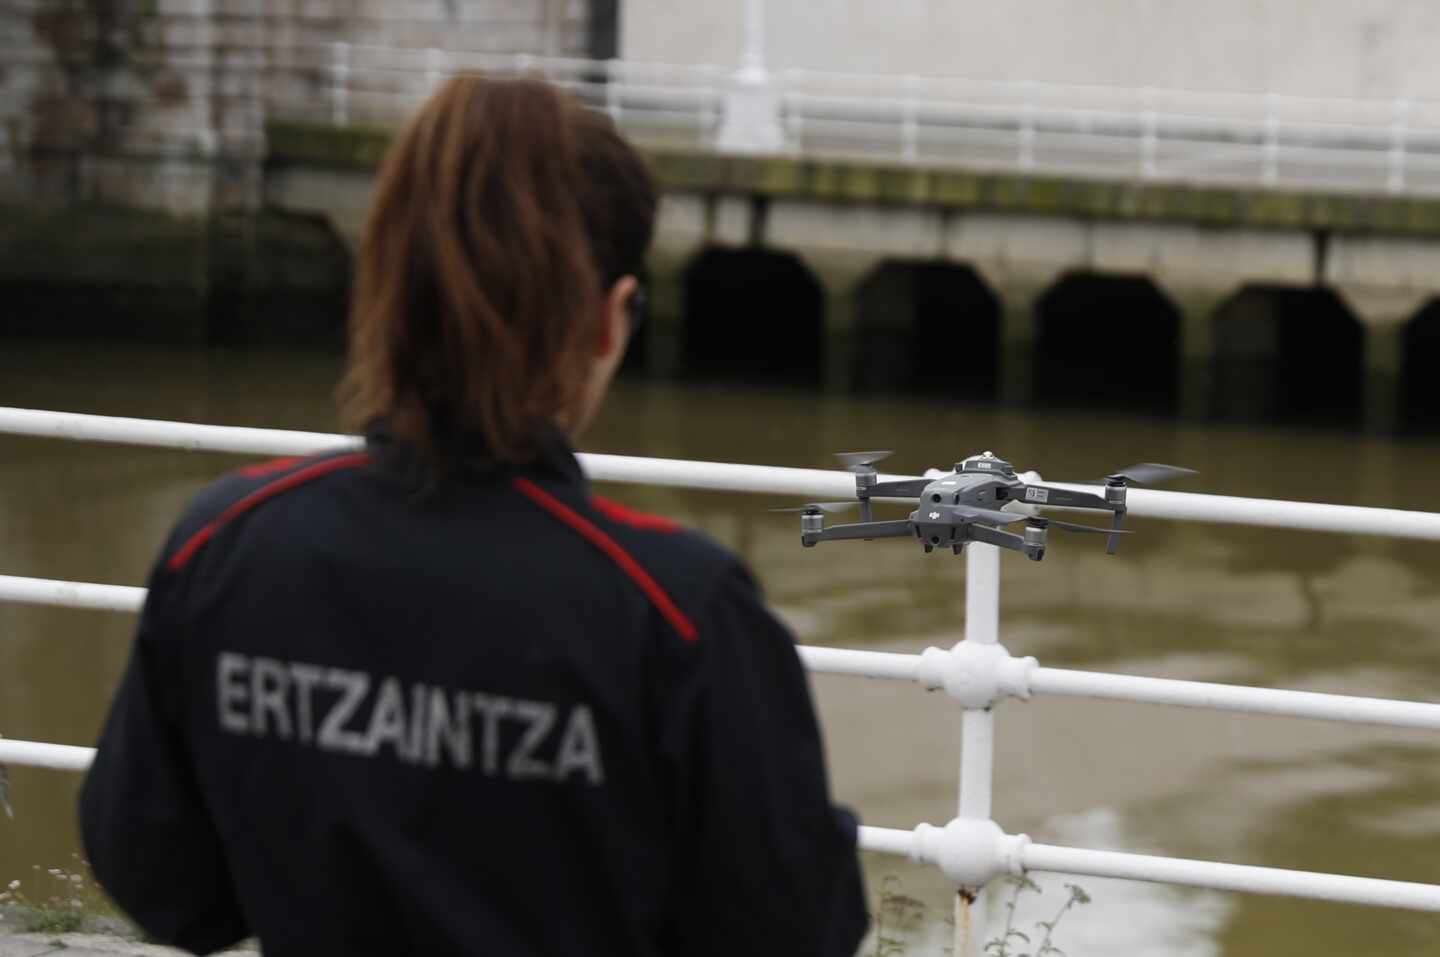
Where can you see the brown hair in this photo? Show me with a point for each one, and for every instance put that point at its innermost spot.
(504, 212)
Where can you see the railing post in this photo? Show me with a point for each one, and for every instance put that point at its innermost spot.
(792, 107)
(340, 83)
(977, 729)
(434, 69)
(613, 77)
(1147, 134)
(1399, 128)
(1026, 137)
(1270, 150)
(909, 133)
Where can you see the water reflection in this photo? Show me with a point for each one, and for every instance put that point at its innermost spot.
(1285, 609)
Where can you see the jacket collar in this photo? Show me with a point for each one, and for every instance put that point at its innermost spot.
(554, 456)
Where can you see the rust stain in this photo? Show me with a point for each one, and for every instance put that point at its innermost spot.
(964, 897)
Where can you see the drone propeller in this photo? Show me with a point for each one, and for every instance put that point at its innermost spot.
(814, 507)
(862, 461)
(1075, 527)
(1146, 473)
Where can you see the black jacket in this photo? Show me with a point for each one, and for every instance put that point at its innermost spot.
(505, 717)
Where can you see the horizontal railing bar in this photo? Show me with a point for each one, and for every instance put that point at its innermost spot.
(1277, 702)
(190, 436)
(46, 591)
(719, 476)
(886, 840)
(1034, 857)
(1191, 873)
(725, 476)
(906, 667)
(1233, 877)
(36, 754)
(1239, 698)
(865, 664)
(1279, 513)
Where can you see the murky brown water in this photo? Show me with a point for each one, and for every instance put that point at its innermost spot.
(1218, 603)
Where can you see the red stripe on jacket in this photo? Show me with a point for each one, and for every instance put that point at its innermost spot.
(261, 494)
(628, 516)
(262, 469)
(592, 534)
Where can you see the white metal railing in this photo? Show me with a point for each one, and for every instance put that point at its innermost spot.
(1260, 140)
(978, 672)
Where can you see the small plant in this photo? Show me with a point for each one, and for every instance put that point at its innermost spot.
(1001, 946)
(1077, 896)
(906, 913)
(62, 900)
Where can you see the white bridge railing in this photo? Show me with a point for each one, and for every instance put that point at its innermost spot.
(978, 672)
(1113, 133)
(1263, 140)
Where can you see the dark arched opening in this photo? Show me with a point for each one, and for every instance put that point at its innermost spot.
(1287, 354)
(1107, 340)
(932, 326)
(287, 285)
(753, 313)
(1420, 373)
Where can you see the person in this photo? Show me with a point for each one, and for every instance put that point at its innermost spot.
(433, 696)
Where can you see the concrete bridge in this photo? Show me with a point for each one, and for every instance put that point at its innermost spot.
(1258, 257)
(1201, 301)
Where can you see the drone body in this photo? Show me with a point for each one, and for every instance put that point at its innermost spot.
(965, 506)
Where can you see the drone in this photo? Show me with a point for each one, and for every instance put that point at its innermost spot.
(965, 505)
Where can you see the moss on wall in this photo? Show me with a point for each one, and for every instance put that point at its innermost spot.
(847, 181)
(323, 145)
(113, 272)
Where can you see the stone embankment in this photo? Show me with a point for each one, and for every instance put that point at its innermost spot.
(88, 945)
(91, 935)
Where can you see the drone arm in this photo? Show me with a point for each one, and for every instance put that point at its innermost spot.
(904, 488)
(991, 535)
(1061, 497)
(865, 530)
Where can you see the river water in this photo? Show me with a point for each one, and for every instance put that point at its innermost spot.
(1270, 608)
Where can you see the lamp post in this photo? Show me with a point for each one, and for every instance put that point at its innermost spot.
(752, 114)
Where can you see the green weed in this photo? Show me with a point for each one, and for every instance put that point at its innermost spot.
(56, 900)
(1013, 936)
(905, 914)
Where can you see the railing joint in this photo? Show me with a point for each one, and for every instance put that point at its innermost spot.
(976, 675)
(971, 852)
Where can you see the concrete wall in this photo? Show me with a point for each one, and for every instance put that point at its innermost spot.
(1344, 48)
(161, 103)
